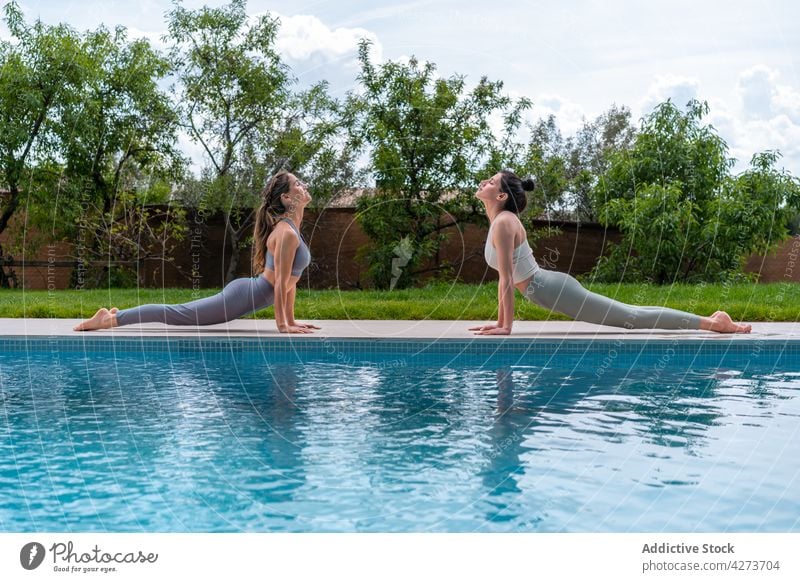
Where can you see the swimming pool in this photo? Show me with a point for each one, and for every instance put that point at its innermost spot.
(128, 435)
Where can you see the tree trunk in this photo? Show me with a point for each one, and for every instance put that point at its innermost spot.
(236, 235)
(10, 208)
(233, 265)
(8, 211)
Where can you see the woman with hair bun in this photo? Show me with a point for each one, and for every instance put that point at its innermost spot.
(507, 251)
(280, 255)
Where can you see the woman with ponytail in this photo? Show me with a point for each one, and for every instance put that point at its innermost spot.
(507, 251)
(280, 255)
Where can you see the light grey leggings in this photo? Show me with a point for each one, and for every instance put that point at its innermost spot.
(239, 297)
(563, 293)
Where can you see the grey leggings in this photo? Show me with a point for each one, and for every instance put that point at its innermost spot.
(239, 297)
(563, 293)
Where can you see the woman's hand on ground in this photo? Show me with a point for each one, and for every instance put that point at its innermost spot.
(293, 329)
(495, 331)
(485, 327)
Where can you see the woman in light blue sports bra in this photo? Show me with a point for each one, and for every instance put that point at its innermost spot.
(280, 256)
(507, 251)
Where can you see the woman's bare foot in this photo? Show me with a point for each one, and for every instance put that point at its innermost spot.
(103, 319)
(721, 322)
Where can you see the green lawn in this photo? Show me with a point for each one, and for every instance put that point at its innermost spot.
(765, 302)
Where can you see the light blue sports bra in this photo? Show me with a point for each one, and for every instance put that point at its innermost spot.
(302, 257)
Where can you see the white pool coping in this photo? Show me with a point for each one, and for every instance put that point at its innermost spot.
(395, 329)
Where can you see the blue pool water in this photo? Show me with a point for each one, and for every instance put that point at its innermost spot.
(402, 437)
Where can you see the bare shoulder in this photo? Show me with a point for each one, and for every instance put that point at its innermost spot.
(284, 236)
(508, 223)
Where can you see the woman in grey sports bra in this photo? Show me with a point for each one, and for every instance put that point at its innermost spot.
(507, 250)
(280, 256)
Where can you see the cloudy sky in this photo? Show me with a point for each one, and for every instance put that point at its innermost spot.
(573, 58)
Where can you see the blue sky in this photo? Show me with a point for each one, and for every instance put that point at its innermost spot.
(572, 58)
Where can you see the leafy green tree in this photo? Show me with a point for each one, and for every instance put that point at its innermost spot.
(237, 102)
(232, 85)
(588, 154)
(682, 215)
(84, 122)
(757, 206)
(567, 168)
(141, 230)
(120, 116)
(794, 224)
(118, 137)
(40, 67)
(427, 139)
(546, 159)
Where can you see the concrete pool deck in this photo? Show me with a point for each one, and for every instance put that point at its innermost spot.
(396, 329)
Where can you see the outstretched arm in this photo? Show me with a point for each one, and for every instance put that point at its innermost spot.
(503, 240)
(285, 248)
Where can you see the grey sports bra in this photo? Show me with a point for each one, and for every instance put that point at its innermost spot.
(302, 257)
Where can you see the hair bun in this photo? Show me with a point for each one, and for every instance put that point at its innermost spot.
(528, 184)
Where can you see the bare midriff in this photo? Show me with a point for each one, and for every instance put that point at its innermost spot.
(523, 285)
(269, 275)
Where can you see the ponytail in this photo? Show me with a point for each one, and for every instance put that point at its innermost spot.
(266, 217)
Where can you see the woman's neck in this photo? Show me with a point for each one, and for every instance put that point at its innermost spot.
(492, 213)
(295, 216)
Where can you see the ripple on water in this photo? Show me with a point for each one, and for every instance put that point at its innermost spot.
(149, 442)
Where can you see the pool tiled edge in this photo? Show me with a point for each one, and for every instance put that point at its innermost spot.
(477, 345)
(400, 337)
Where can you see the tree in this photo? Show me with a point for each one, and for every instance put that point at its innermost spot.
(757, 206)
(140, 229)
(237, 102)
(546, 159)
(39, 69)
(567, 168)
(117, 136)
(682, 215)
(427, 139)
(588, 154)
(794, 223)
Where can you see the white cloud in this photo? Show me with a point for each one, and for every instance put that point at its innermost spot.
(680, 90)
(777, 133)
(763, 114)
(756, 91)
(569, 115)
(303, 36)
(770, 116)
(727, 124)
(762, 96)
(317, 52)
(787, 101)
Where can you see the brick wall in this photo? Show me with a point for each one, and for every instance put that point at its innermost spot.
(201, 260)
(782, 264)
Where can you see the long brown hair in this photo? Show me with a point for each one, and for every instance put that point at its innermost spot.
(271, 206)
